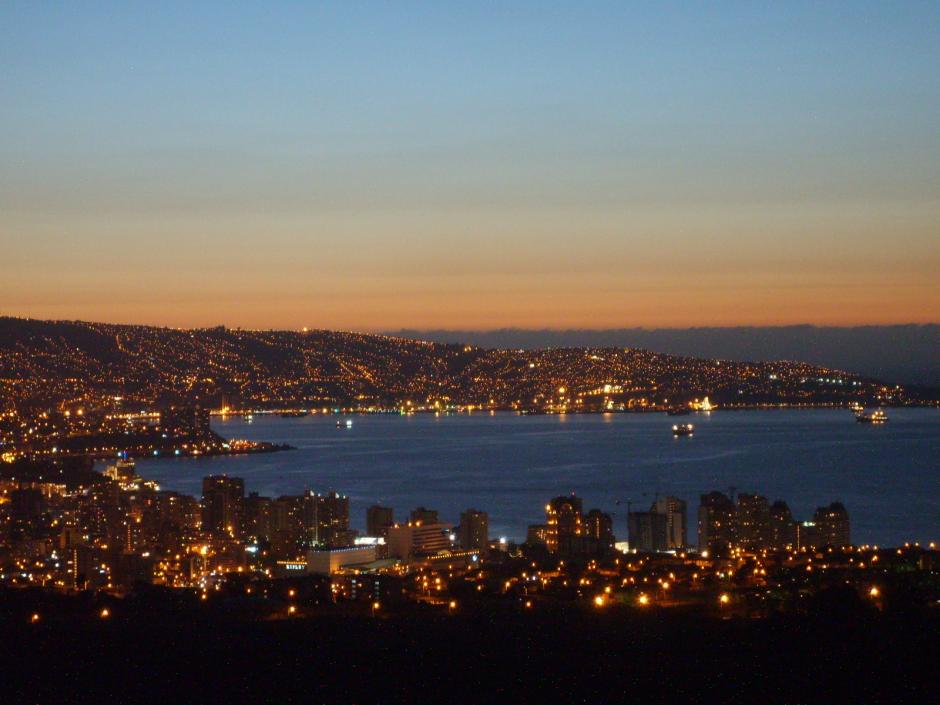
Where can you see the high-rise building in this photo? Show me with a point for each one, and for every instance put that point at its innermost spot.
(832, 525)
(563, 519)
(598, 528)
(648, 531)
(783, 531)
(292, 522)
(674, 509)
(807, 535)
(223, 500)
(259, 516)
(423, 515)
(752, 529)
(715, 523)
(474, 529)
(332, 520)
(378, 519)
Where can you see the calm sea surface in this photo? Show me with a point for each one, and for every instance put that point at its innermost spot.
(887, 476)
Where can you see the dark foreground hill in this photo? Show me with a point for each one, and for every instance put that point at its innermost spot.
(572, 657)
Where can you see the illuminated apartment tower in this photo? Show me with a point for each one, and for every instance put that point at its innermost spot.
(752, 522)
(674, 509)
(223, 505)
(783, 529)
(474, 531)
(832, 525)
(715, 523)
(563, 522)
(599, 528)
(332, 520)
(416, 538)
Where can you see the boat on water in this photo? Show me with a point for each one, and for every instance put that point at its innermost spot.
(293, 414)
(344, 423)
(875, 417)
(683, 429)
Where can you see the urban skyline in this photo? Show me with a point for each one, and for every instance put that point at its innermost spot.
(531, 351)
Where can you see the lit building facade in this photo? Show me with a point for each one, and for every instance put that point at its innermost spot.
(715, 523)
(563, 521)
(408, 540)
(223, 500)
(474, 529)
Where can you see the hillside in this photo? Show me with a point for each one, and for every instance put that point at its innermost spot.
(69, 362)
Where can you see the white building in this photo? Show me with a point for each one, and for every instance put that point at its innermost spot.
(329, 561)
(404, 541)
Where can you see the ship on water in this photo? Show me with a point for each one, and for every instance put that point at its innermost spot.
(678, 411)
(875, 417)
(683, 429)
(293, 414)
(347, 423)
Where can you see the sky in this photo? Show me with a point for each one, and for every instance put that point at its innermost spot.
(369, 166)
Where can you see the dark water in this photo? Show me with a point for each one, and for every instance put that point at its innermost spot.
(887, 476)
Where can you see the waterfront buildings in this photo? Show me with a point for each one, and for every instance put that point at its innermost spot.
(755, 524)
(568, 532)
(662, 528)
(109, 531)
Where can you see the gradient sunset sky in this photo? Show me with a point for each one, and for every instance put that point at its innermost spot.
(470, 165)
